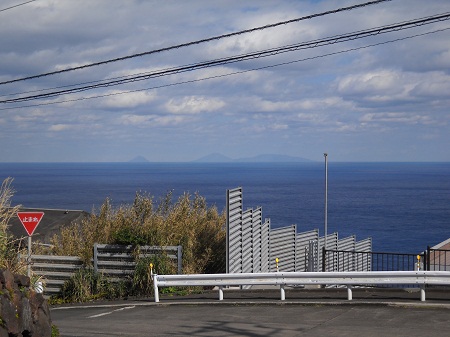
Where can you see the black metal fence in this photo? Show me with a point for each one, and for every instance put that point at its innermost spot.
(438, 259)
(342, 260)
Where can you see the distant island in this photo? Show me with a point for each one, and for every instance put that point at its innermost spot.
(138, 159)
(220, 158)
(262, 158)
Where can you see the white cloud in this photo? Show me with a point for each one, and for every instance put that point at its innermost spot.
(194, 105)
(373, 83)
(395, 117)
(59, 127)
(392, 86)
(399, 88)
(436, 84)
(145, 121)
(128, 100)
(280, 127)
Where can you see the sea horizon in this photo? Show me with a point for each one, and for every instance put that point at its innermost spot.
(402, 206)
(221, 162)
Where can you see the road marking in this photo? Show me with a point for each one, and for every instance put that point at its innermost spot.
(110, 312)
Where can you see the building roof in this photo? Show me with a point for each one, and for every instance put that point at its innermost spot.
(50, 224)
(443, 245)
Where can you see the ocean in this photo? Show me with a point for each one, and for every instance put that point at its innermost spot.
(403, 207)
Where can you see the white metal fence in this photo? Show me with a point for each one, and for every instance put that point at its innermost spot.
(421, 279)
(252, 245)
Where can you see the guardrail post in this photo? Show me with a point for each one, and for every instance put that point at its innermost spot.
(220, 293)
(422, 293)
(95, 258)
(155, 287)
(349, 293)
(282, 292)
(180, 259)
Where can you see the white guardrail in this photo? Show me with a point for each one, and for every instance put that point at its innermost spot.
(282, 279)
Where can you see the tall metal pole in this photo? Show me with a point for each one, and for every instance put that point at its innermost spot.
(326, 198)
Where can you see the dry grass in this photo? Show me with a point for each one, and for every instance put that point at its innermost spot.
(9, 248)
(188, 222)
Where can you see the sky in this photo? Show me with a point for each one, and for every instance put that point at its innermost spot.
(376, 98)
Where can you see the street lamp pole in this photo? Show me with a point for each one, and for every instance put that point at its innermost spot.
(326, 198)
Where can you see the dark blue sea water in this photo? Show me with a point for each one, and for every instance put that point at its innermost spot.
(403, 207)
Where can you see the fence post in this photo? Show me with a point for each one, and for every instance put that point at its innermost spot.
(349, 293)
(155, 287)
(180, 259)
(323, 258)
(282, 292)
(95, 258)
(427, 259)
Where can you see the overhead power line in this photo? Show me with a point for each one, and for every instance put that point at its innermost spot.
(218, 37)
(224, 75)
(11, 7)
(243, 57)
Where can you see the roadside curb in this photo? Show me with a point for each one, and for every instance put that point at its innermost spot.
(259, 303)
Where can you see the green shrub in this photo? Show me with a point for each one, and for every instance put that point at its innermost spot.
(85, 285)
(142, 284)
(55, 331)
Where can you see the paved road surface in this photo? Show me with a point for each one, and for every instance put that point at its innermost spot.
(314, 316)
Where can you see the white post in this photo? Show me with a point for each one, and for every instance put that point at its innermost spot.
(282, 293)
(349, 293)
(422, 293)
(220, 293)
(155, 287)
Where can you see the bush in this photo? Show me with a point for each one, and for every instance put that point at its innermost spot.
(86, 285)
(188, 222)
(142, 284)
(9, 248)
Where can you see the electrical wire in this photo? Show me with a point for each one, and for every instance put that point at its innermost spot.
(11, 7)
(244, 57)
(225, 75)
(197, 42)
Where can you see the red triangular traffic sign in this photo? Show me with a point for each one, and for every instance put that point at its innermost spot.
(30, 220)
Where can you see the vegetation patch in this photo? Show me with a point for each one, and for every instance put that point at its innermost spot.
(186, 222)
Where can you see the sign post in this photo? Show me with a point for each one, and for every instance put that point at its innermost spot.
(30, 220)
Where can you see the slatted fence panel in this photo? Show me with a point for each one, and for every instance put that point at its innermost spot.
(257, 239)
(118, 261)
(234, 230)
(265, 246)
(332, 242)
(55, 270)
(247, 241)
(346, 263)
(282, 246)
(302, 250)
(252, 246)
(363, 262)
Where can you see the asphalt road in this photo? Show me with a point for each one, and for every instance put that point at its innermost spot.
(253, 319)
